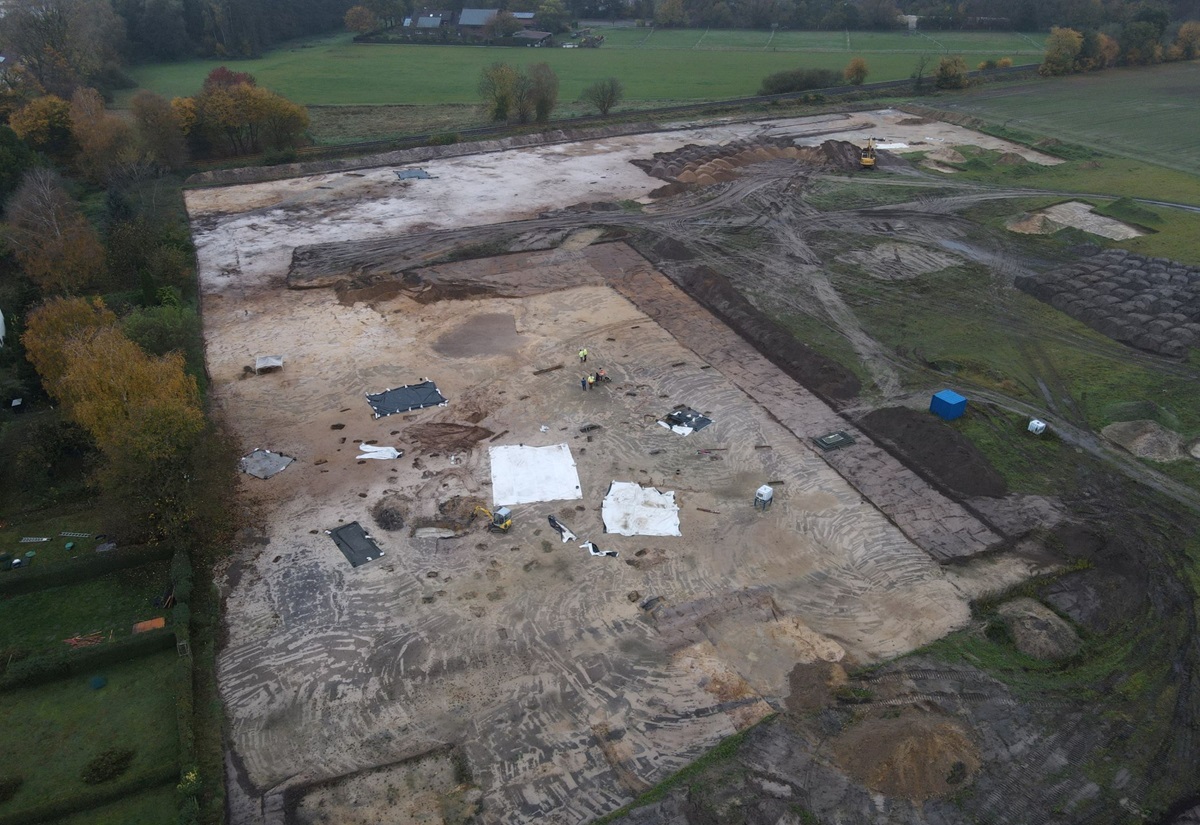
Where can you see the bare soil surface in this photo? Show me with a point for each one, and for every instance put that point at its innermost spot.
(569, 684)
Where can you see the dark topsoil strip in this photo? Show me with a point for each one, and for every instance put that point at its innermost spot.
(941, 454)
(824, 377)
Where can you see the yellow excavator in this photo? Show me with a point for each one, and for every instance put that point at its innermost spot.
(499, 521)
(867, 160)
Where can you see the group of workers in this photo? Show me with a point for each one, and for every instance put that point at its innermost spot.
(586, 382)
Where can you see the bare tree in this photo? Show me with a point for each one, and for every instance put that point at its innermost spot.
(604, 94)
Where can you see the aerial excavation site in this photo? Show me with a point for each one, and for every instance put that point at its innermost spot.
(569, 461)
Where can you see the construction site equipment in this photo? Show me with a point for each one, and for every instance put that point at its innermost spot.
(499, 521)
(867, 159)
(763, 497)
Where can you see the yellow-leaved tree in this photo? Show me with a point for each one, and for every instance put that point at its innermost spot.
(143, 412)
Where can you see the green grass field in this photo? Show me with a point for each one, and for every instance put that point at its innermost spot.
(677, 65)
(1011, 44)
(153, 807)
(50, 732)
(1146, 113)
(38, 622)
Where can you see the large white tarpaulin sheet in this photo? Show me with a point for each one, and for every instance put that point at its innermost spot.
(522, 475)
(630, 509)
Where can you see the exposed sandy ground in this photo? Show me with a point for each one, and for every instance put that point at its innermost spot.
(1076, 214)
(539, 662)
(261, 223)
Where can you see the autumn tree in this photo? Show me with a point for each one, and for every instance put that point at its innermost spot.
(545, 90)
(360, 19)
(133, 405)
(604, 94)
(51, 325)
(856, 71)
(45, 124)
(496, 87)
(1187, 41)
(143, 412)
(951, 73)
(53, 241)
(159, 132)
(107, 149)
(240, 117)
(1062, 52)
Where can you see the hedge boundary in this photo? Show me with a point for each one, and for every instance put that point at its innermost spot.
(50, 667)
(30, 580)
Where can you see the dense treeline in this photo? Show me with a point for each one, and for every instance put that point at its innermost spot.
(1006, 15)
(91, 39)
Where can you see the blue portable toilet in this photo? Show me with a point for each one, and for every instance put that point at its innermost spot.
(947, 405)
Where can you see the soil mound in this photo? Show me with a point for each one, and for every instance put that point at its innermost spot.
(811, 685)
(937, 451)
(449, 437)
(1037, 631)
(389, 513)
(1146, 439)
(917, 756)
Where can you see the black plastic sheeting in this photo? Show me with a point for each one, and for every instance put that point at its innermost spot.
(687, 417)
(406, 399)
(355, 544)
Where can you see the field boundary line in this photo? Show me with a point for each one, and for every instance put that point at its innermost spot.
(644, 39)
(933, 40)
(1040, 46)
(769, 39)
(701, 40)
(847, 40)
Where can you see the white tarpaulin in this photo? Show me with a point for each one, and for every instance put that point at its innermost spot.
(522, 475)
(375, 451)
(633, 510)
(266, 363)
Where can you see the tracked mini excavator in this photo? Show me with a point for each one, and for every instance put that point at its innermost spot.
(499, 521)
(867, 160)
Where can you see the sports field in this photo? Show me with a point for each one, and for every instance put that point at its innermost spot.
(1146, 113)
(679, 64)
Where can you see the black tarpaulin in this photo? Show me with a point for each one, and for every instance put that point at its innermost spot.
(355, 544)
(687, 417)
(405, 399)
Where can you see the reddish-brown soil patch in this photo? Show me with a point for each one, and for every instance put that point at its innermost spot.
(916, 756)
(937, 451)
(450, 437)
